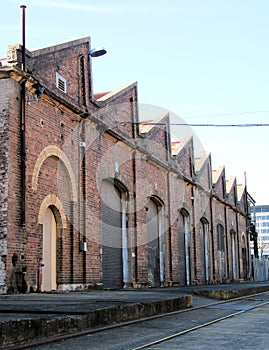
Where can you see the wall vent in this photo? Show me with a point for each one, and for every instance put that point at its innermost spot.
(61, 83)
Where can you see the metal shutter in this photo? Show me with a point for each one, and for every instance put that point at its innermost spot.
(111, 237)
(153, 245)
(181, 251)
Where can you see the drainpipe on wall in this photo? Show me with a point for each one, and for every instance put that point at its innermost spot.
(194, 233)
(23, 128)
(134, 133)
(227, 245)
(238, 246)
(170, 254)
(83, 189)
(212, 238)
(72, 241)
(135, 220)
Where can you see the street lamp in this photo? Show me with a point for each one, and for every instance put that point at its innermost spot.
(96, 52)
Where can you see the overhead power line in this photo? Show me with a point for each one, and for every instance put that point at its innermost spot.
(223, 125)
(249, 125)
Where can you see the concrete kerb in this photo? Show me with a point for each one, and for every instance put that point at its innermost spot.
(231, 294)
(20, 331)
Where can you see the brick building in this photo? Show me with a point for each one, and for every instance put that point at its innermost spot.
(92, 198)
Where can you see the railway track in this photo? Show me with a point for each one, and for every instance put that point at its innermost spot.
(185, 321)
(239, 305)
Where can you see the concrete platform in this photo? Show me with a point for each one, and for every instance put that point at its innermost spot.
(26, 317)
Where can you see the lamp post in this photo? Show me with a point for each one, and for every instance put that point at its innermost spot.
(96, 52)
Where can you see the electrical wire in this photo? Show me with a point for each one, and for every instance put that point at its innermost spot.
(244, 125)
(247, 125)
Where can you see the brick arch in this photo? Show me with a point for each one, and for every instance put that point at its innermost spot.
(54, 151)
(184, 211)
(52, 200)
(204, 221)
(157, 199)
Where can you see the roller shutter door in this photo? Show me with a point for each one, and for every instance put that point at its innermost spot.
(153, 245)
(111, 237)
(181, 251)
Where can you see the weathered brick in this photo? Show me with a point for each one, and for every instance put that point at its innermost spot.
(73, 143)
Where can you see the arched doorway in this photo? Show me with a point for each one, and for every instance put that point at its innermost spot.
(155, 250)
(115, 254)
(49, 252)
(221, 253)
(204, 237)
(244, 258)
(184, 248)
(234, 255)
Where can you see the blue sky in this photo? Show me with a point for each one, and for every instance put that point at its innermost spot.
(204, 60)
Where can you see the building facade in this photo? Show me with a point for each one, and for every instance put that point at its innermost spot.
(260, 215)
(93, 198)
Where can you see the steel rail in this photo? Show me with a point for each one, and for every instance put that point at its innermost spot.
(192, 329)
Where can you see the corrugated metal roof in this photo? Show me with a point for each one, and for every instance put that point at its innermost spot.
(240, 191)
(100, 94)
(176, 147)
(111, 94)
(216, 173)
(230, 183)
(145, 126)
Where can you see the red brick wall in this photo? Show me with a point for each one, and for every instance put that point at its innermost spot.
(6, 87)
(65, 59)
(140, 164)
(16, 239)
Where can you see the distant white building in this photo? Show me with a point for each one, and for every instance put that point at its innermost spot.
(260, 214)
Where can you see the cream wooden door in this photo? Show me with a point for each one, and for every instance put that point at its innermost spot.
(49, 252)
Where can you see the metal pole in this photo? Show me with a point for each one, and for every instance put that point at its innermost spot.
(23, 7)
